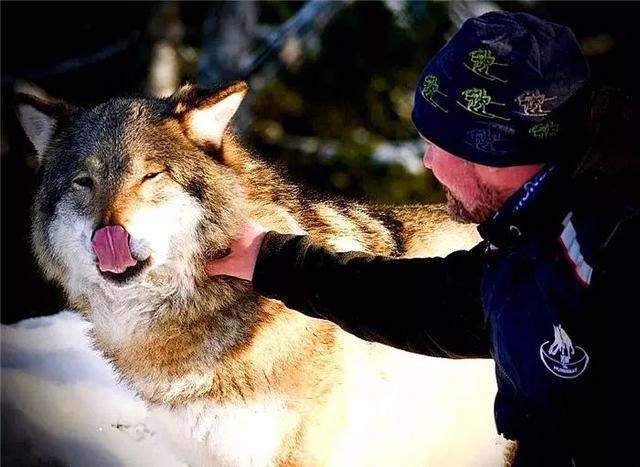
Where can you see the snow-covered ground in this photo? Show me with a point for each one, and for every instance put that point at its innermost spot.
(62, 403)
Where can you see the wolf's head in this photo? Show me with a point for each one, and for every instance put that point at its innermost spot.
(134, 192)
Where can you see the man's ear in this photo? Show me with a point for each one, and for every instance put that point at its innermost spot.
(205, 113)
(40, 116)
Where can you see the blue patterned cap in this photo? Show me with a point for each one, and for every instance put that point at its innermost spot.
(507, 89)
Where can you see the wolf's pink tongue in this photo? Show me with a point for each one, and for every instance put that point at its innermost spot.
(111, 246)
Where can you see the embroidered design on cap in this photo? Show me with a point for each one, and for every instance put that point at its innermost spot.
(430, 88)
(485, 140)
(545, 130)
(477, 101)
(481, 62)
(532, 103)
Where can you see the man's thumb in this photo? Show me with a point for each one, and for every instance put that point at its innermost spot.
(215, 267)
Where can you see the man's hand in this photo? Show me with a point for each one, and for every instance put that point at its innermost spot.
(241, 262)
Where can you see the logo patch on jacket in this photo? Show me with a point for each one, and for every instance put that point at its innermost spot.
(561, 357)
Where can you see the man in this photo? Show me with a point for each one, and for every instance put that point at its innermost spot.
(547, 293)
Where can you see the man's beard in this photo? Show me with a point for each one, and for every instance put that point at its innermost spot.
(488, 202)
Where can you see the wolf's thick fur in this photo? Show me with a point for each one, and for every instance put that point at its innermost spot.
(246, 380)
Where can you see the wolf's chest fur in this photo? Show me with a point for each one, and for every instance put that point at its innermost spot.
(247, 408)
(227, 435)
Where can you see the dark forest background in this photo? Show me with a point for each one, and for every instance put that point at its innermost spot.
(331, 86)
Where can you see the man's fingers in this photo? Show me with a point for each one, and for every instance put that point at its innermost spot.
(243, 252)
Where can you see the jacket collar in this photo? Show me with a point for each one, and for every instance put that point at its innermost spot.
(538, 204)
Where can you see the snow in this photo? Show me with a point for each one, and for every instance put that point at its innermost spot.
(62, 403)
(406, 153)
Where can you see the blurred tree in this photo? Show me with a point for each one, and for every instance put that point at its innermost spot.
(326, 116)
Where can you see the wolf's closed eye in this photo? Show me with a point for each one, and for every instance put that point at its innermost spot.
(151, 175)
(86, 182)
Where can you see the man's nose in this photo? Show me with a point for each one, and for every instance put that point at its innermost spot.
(427, 157)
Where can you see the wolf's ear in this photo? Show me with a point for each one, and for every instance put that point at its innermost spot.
(205, 113)
(40, 116)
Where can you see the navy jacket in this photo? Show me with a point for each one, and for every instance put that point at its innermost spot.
(549, 295)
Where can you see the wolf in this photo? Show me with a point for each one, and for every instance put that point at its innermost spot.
(136, 194)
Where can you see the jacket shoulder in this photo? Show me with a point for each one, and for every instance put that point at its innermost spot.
(598, 212)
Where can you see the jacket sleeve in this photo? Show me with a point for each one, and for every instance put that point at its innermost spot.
(424, 305)
(615, 320)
